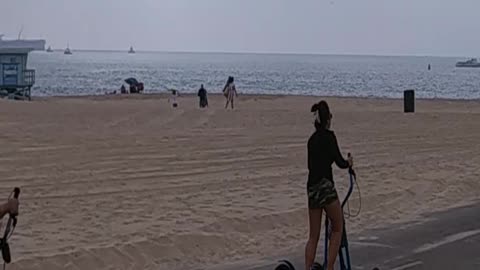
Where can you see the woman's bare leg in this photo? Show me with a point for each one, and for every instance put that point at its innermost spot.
(334, 213)
(315, 221)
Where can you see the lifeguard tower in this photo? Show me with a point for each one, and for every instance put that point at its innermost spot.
(16, 80)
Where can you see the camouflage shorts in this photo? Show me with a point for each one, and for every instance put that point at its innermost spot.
(321, 194)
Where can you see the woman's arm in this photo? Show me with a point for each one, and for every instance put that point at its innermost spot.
(235, 90)
(337, 155)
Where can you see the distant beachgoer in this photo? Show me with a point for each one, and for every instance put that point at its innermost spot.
(224, 91)
(140, 88)
(133, 89)
(173, 98)
(123, 90)
(230, 92)
(202, 94)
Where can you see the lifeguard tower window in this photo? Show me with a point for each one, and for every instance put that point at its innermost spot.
(10, 74)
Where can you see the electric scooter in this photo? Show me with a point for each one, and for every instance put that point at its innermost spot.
(344, 255)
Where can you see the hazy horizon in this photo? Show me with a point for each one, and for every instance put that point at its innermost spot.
(260, 53)
(339, 27)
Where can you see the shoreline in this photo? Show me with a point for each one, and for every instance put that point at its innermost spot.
(266, 53)
(161, 95)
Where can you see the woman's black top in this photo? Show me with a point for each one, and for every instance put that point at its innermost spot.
(323, 150)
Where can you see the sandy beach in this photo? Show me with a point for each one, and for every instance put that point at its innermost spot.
(116, 182)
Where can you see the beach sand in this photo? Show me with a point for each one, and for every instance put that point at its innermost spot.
(130, 183)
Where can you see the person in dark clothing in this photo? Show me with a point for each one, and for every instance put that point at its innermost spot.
(202, 94)
(323, 151)
(133, 89)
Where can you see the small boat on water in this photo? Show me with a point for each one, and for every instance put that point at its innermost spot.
(67, 51)
(472, 63)
(131, 50)
(49, 49)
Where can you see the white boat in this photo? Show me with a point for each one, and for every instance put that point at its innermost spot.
(472, 63)
(49, 49)
(131, 50)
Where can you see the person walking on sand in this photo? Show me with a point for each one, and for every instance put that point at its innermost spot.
(323, 151)
(230, 92)
(202, 94)
(173, 98)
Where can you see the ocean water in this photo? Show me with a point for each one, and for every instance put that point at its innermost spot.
(87, 73)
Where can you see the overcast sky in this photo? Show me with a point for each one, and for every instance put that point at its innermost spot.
(391, 27)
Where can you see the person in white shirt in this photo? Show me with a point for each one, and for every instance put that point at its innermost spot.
(173, 98)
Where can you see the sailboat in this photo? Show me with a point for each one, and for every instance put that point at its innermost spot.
(67, 50)
(131, 50)
(49, 49)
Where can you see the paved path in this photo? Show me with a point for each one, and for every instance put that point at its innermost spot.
(447, 240)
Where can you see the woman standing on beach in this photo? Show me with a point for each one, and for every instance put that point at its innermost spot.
(323, 151)
(230, 91)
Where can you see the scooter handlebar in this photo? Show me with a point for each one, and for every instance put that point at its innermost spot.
(350, 169)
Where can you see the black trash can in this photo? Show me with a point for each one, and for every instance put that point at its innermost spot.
(409, 101)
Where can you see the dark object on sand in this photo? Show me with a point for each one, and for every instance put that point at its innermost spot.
(409, 101)
(202, 94)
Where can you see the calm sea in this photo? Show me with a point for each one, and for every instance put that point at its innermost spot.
(86, 73)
